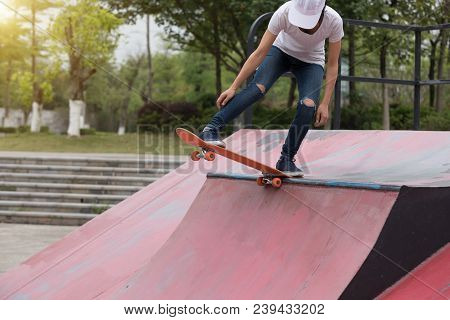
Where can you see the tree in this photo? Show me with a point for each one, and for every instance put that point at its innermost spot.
(351, 9)
(34, 8)
(380, 39)
(88, 35)
(129, 72)
(425, 12)
(148, 96)
(218, 27)
(12, 47)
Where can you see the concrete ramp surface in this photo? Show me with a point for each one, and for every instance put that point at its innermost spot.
(242, 242)
(373, 206)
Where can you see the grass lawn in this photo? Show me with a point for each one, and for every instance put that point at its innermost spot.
(100, 142)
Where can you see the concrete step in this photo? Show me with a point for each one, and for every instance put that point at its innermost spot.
(61, 169)
(54, 206)
(129, 161)
(61, 197)
(45, 218)
(68, 188)
(76, 179)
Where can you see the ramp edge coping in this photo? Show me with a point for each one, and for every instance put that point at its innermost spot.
(312, 182)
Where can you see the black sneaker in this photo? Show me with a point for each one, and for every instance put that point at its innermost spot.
(211, 136)
(288, 167)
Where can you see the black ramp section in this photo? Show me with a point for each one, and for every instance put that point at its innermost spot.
(418, 226)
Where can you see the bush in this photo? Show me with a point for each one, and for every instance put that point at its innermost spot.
(8, 130)
(272, 118)
(87, 132)
(23, 129)
(155, 116)
(358, 117)
(361, 117)
(436, 121)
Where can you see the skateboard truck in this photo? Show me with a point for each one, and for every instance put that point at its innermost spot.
(265, 180)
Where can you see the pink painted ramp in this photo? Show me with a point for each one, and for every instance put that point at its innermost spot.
(240, 241)
(429, 281)
(109, 248)
(412, 158)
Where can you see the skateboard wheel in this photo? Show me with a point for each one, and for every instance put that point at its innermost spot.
(210, 156)
(195, 155)
(260, 181)
(276, 182)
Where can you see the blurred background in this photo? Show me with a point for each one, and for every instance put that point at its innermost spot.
(101, 69)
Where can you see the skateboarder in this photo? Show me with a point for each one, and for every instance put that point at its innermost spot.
(294, 41)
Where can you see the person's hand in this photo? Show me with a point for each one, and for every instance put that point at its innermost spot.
(225, 97)
(321, 115)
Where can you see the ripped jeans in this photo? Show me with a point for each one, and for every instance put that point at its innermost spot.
(309, 79)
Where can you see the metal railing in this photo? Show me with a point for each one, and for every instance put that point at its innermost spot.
(417, 82)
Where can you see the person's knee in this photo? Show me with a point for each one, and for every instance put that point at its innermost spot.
(261, 87)
(308, 102)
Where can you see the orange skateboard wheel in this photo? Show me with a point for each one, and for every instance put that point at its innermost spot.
(210, 156)
(195, 155)
(260, 181)
(276, 182)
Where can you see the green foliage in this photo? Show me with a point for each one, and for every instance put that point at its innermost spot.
(436, 121)
(85, 29)
(272, 118)
(22, 83)
(369, 117)
(23, 129)
(88, 132)
(220, 27)
(87, 34)
(8, 130)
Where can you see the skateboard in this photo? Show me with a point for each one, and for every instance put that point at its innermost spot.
(269, 175)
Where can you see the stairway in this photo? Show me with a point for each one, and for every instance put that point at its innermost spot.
(71, 189)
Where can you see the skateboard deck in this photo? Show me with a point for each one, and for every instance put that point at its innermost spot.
(268, 176)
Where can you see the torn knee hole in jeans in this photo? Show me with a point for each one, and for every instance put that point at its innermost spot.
(261, 87)
(308, 102)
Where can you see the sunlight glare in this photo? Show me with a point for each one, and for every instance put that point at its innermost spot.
(5, 12)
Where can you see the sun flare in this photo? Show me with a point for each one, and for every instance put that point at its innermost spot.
(5, 11)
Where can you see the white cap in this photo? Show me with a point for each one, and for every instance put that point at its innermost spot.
(305, 13)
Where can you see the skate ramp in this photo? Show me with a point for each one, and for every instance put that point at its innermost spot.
(239, 241)
(172, 227)
(429, 281)
(108, 248)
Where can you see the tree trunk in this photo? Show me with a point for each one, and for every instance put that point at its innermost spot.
(351, 63)
(149, 59)
(123, 117)
(77, 104)
(7, 100)
(385, 94)
(217, 53)
(291, 95)
(126, 101)
(36, 111)
(432, 69)
(76, 107)
(440, 71)
(36, 117)
(37, 104)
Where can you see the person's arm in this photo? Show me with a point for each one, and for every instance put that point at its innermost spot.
(334, 50)
(255, 59)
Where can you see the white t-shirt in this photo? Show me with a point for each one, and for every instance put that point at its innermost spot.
(300, 45)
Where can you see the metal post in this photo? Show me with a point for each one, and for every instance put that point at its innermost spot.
(337, 99)
(417, 66)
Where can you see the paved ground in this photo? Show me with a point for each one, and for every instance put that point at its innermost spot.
(18, 242)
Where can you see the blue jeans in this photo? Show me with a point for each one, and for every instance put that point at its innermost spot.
(309, 78)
